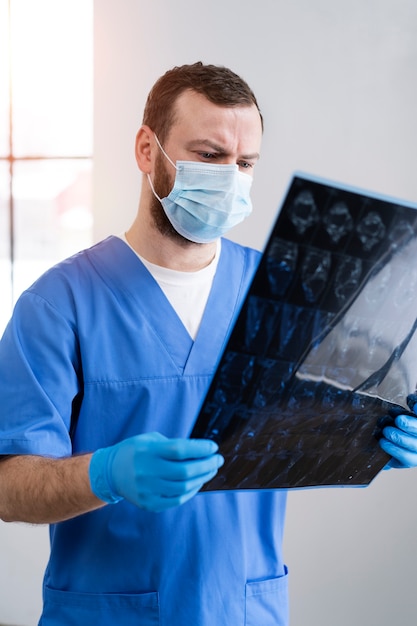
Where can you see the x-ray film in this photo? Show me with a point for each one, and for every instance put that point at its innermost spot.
(324, 351)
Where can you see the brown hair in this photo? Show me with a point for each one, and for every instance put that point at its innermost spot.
(217, 83)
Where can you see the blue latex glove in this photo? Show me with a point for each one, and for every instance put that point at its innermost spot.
(153, 472)
(400, 440)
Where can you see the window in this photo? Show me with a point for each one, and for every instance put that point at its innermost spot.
(46, 93)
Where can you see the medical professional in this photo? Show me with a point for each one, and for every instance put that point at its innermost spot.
(103, 367)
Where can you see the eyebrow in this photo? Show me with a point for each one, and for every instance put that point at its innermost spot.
(196, 143)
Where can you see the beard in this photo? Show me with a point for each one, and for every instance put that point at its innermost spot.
(163, 185)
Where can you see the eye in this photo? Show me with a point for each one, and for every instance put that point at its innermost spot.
(208, 156)
(245, 165)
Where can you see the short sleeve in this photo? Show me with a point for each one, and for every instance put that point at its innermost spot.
(39, 361)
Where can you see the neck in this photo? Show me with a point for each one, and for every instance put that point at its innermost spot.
(164, 251)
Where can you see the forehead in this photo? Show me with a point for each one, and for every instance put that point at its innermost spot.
(195, 114)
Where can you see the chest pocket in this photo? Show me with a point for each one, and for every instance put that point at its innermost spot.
(267, 602)
(84, 609)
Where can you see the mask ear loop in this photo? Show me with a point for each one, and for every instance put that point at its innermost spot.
(163, 152)
(153, 188)
(170, 160)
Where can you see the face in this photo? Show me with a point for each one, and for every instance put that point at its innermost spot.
(163, 183)
(205, 132)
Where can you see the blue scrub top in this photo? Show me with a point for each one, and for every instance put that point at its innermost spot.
(95, 353)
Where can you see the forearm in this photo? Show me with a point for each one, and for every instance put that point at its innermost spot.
(39, 490)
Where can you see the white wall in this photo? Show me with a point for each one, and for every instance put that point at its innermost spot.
(336, 82)
(24, 553)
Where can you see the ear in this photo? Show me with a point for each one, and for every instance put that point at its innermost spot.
(144, 147)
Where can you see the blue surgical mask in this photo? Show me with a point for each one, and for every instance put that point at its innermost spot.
(206, 200)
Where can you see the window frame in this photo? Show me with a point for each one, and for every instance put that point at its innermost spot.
(11, 159)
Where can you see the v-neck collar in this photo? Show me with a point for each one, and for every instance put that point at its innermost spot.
(125, 271)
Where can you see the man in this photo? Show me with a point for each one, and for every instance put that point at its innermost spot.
(103, 368)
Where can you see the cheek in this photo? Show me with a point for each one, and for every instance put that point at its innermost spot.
(163, 181)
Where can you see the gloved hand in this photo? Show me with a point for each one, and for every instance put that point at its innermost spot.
(153, 472)
(400, 440)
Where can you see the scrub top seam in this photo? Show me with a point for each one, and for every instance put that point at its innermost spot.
(131, 381)
(34, 294)
(19, 346)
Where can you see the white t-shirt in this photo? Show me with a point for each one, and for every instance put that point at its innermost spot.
(187, 292)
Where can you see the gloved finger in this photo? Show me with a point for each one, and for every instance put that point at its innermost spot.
(403, 457)
(173, 489)
(179, 470)
(394, 464)
(158, 503)
(180, 449)
(401, 438)
(407, 424)
(164, 495)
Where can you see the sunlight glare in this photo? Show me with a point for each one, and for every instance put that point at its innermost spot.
(51, 48)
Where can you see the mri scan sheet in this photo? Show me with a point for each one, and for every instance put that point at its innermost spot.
(324, 351)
